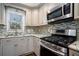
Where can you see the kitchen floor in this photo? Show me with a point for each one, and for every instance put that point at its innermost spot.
(30, 54)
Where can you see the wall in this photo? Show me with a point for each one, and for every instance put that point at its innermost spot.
(66, 25)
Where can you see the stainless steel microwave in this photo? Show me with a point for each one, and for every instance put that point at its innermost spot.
(62, 11)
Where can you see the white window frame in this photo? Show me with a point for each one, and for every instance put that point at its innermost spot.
(7, 17)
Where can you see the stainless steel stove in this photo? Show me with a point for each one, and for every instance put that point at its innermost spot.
(57, 44)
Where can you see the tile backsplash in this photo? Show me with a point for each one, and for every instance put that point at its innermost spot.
(2, 30)
(38, 29)
(49, 28)
(66, 25)
(46, 29)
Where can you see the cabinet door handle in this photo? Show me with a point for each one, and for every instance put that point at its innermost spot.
(8, 40)
(22, 39)
(28, 39)
(16, 45)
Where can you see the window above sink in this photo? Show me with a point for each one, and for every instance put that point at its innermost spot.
(15, 19)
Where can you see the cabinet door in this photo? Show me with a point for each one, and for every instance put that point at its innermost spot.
(43, 15)
(73, 52)
(45, 9)
(36, 45)
(35, 15)
(9, 48)
(29, 44)
(2, 16)
(21, 46)
(0, 13)
(0, 47)
(28, 21)
(76, 10)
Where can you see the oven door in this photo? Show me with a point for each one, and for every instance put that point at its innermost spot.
(48, 49)
(46, 52)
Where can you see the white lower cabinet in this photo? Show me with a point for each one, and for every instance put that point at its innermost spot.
(0, 47)
(19, 45)
(16, 46)
(73, 52)
(36, 45)
(29, 43)
(22, 46)
(9, 47)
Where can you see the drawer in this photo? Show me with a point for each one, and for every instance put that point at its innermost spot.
(73, 52)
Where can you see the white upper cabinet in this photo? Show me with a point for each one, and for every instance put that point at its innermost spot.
(28, 21)
(43, 15)
(52, 5)
(0, 47)
(35, 17)
(38, 17)
(76, 10)
(2, 15)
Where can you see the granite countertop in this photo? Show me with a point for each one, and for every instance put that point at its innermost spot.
(36, 35)
(75, 46)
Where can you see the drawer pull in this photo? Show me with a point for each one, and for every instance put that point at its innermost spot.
(21, 39)
(16, 45)
(8, 40)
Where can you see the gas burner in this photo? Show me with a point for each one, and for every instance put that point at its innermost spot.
(61, 40)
